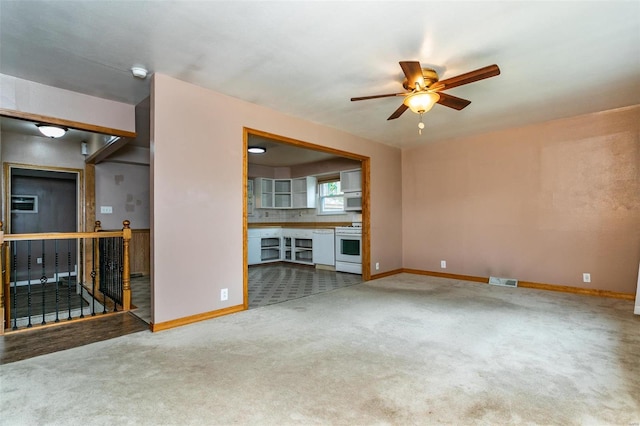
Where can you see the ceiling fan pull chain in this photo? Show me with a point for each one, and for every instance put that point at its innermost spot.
(420, 124)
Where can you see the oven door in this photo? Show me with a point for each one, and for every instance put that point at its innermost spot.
(349, 248)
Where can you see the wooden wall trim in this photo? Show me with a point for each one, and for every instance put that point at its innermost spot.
(245, 221)
(66, 123)
(295, 142)
(576, 290)
(386, 274)
(523, 284)
(196, 318)
(106, 150)
(446, 275)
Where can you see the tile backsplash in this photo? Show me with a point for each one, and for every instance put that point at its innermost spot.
(300, 215)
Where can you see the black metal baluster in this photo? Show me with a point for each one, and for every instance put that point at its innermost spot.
(104, 271)
(119, 283)
(93, 278)
(106, 257)
(15, 285)
(69, 278)
(43, 284)
(57, 278)
(103, 275)
(81, 279)
(114, 272)
(29, 282)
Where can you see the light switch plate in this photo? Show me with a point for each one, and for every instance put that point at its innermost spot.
(106, 209)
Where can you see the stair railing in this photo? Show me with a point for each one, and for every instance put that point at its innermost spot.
(74, 273)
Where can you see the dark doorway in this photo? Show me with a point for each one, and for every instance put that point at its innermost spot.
(43, 201)
(50, 198)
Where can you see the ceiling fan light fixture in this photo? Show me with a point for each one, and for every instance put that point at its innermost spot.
(51, 131)
(256, 150)
(421, 102)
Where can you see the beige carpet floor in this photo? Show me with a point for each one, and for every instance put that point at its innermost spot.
(401, 350)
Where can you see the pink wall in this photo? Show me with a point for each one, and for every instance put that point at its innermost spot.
(197, 204)
(544, 203)
(35, 98)
(125, 188)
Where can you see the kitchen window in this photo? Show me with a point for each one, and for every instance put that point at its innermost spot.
(331, 198)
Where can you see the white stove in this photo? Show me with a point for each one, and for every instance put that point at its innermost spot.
(349, 248)
(349, 230)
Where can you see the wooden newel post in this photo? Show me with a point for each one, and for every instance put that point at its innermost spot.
(126, 268)
(98, 226)
(5, 274)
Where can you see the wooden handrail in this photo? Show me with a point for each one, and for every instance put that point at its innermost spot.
(61, 235)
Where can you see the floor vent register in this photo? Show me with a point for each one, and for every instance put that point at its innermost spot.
(504, 282)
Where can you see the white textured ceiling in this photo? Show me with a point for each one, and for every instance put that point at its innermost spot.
(306, 59)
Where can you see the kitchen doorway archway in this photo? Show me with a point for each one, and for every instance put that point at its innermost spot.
(250, 135)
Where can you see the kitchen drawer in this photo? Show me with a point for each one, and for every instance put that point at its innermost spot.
(271, 233)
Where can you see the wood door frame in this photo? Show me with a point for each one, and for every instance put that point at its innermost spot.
(365, 162)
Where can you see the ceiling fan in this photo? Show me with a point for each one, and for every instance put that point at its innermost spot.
(425, 89)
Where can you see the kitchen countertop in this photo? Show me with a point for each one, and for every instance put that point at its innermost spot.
(315, 225)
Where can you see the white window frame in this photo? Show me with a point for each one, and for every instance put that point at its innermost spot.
(321, 198)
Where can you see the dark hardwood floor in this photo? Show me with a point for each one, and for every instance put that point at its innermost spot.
(45, 298)
(16, 346)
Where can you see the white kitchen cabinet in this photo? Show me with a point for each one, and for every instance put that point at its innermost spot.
(351, 180)
(282, 193)
(263, 192)
(270, 245)
(304, 192)
(297, 245)
(298, 193)
(264, 245)
(250, 198)
(254, 250)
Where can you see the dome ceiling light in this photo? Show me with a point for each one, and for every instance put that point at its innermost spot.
(256, 150)
(52, 131)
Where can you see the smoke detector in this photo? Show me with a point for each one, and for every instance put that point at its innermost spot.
(139, 72)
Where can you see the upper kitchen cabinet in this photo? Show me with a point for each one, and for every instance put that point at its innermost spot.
(263, 193)
(250, 198)
(282, 193)
(298, 193)
(351, 180)
(304, 192)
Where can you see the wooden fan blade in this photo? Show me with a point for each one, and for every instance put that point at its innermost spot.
(398, 112)
(364, 98)
(413, 71)
(453, 101)
(466, 78)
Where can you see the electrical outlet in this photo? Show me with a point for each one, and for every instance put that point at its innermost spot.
(39, 261)
(586, 278)
(377, 266)
(443, 264)
(224, 294)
